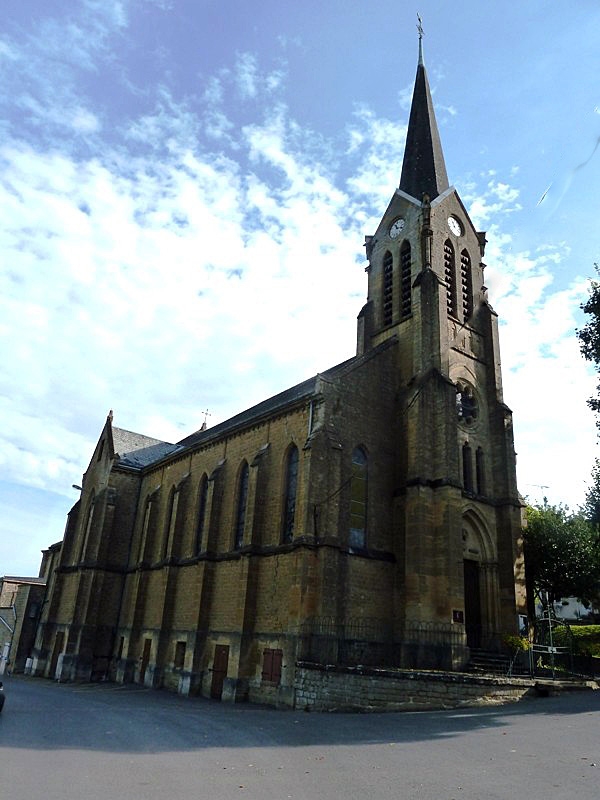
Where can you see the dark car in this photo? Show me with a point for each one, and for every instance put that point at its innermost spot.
(1, 695)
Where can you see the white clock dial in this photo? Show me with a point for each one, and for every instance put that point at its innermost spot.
(396, 228)
(455, 226)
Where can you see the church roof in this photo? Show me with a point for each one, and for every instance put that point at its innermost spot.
(266, 408)
(137, 450)
(423, 168)
(280, 402)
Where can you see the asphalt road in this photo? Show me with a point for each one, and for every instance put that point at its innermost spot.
(102, 741)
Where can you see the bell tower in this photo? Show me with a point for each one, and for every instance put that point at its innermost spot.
(456, 507)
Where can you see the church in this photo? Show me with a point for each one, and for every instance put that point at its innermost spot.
(369, 515)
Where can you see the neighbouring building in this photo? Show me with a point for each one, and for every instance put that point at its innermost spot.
(21, 602)
(369, 515)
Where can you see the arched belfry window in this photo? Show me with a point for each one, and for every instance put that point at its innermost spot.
(388, 288)
(466, 282)
(358, 499)
(291, 485)
(467, 465)
(242, 501)
(450, 277)
(405, 280)
(201, 517)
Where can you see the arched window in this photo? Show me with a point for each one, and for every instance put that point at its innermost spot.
(450, 276)
(88, 527)
(467, 465)
(405, 280)
(242, 499)
(388, 288)
(169, 535)
(201, 518)
(145, 528)
(466, 284)
(291, 483)
(358, 499)
(480, 470)
(466, 404)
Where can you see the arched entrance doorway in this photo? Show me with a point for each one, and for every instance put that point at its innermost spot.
(480, 583)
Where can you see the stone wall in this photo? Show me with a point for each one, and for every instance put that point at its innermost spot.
(326, 688)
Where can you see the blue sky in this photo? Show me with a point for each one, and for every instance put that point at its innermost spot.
(185, 190)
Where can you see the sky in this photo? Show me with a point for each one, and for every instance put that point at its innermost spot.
(185, 188)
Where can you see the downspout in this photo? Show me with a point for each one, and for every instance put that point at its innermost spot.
(4, 660)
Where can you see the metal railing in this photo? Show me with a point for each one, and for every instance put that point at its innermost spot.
(375, 643)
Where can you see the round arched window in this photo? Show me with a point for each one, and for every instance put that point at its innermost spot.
(466, 403)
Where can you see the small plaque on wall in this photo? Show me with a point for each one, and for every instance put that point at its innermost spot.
(458, 616)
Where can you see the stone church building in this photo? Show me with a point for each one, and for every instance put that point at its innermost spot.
(369, 515)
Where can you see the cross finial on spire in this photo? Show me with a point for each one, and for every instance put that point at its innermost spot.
(421, 34)
(206, 416)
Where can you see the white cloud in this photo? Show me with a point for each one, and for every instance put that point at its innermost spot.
(246, 75)
(378, 146)
(209, 255)
(546, 382)
(8, 51)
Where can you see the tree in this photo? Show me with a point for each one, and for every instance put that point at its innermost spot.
(562, 555)
(589, 335)
(591, 506)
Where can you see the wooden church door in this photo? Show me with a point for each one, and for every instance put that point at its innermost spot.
(472, 603)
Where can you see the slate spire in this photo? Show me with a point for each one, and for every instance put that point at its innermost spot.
(423, 168)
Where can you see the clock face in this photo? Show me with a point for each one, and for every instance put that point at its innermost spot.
(455, 226)
(396, 228)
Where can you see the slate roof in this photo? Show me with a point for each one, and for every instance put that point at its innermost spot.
(138, 451)
(266, 408)
(423, 167)
(250, 415)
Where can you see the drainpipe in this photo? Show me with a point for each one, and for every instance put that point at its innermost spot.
(4, 656)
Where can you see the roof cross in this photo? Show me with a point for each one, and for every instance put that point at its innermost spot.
(421, 34)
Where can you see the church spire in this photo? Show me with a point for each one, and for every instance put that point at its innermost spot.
(423, 168)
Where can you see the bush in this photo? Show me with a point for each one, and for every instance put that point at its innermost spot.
(586, 639)
(515, 643)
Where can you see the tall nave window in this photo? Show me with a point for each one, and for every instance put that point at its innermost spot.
(291, 484)
(242, 500)
(358, 499)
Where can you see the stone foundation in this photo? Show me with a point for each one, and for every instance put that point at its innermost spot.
(329, 688)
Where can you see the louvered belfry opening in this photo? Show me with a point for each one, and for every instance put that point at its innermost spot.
(450, 277)
(405, 280)
(466, 284)
(388, 288)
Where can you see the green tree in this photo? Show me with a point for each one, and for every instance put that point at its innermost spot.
(591, 506)
(562, 554)
(589, 335)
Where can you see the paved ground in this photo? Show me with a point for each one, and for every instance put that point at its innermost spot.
(105, 742)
